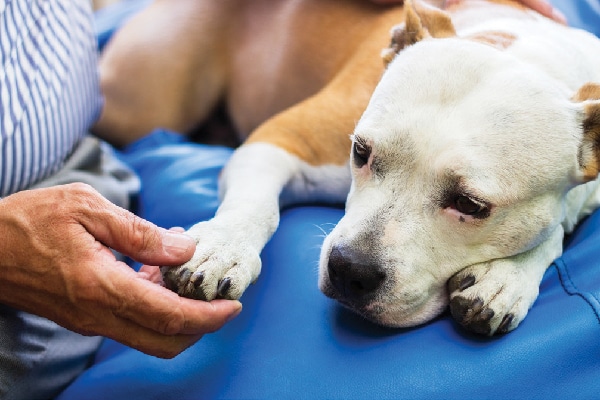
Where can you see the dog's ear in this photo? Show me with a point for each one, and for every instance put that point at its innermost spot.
(588, 96)
(421, 21)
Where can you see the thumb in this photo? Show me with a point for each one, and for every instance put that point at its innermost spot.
(135, 237)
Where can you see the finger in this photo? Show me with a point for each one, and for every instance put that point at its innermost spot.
(159, 309)
(131, 235)
(209, 316)
(144, 339)
(146, 243)
(151, 273)
(149, 341)
(110, 316)
(546, 9)
(387, 1)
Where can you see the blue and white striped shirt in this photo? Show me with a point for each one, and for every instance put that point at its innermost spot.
(49, 90)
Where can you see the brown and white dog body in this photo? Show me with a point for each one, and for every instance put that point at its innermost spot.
(296, 74)
(478, 150)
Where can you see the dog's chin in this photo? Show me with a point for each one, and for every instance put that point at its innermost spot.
(392, 314)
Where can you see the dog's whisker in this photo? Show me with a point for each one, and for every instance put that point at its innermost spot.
(322, 229)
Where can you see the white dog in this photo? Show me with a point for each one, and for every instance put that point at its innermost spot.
(474, 157)
(478, 150)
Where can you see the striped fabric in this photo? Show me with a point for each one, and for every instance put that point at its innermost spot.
(49, 93)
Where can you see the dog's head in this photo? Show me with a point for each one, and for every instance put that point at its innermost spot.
(464, 155)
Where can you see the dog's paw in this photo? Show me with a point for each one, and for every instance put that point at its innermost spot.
(223, 265)
(491, 298)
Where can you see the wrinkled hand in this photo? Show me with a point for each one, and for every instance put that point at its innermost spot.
(55, 261)
(541, 6)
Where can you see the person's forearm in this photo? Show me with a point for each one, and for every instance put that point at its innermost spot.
(542, 6)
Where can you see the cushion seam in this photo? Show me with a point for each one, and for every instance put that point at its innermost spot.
(572, 290)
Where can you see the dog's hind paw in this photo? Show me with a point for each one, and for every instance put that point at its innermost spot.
(222, 266)
(491, 298)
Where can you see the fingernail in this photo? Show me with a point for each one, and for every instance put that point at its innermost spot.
(236, 312)
(175, 242)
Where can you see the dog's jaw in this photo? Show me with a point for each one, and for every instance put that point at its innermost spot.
(395, 315)
(407, 296)
(411, 308)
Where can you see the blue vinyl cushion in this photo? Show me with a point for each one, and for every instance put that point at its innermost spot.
(292, 342)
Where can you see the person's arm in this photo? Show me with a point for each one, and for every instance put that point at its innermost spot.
(546, 9)
(541, 6)
(56, 262)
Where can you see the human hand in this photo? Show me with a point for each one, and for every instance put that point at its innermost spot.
(56, 262)
(546, 9)
(541, 6)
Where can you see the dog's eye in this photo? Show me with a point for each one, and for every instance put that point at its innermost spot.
(469, 206)
(361, 153)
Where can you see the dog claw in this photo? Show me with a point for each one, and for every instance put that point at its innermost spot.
(466, 282)
(505, 324)
(473, 308)
(455, 285)
(459, 307)
(168, 280)
(197, 278)
(481, 324)
(471, 314)
(223, 287)
(184, 275)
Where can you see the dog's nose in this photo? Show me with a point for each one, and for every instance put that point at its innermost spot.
(353, 279)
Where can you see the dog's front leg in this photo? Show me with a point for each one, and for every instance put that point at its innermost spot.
(298, 155)
(227, 257)
(495, 296)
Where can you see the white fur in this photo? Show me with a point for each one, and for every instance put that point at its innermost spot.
(229, 245)
(500, 122)
(449, 114)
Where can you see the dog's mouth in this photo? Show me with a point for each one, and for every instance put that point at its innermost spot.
(365, 276)
(371, 311)
(392, 310)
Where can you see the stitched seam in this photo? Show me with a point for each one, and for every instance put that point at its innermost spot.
(572, 290)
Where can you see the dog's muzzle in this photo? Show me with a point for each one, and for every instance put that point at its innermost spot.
(353, 280)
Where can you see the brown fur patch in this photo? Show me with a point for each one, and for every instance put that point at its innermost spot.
(591, 132)
(422, 21)
(498, 39)
(589, 91)
(589, 154)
